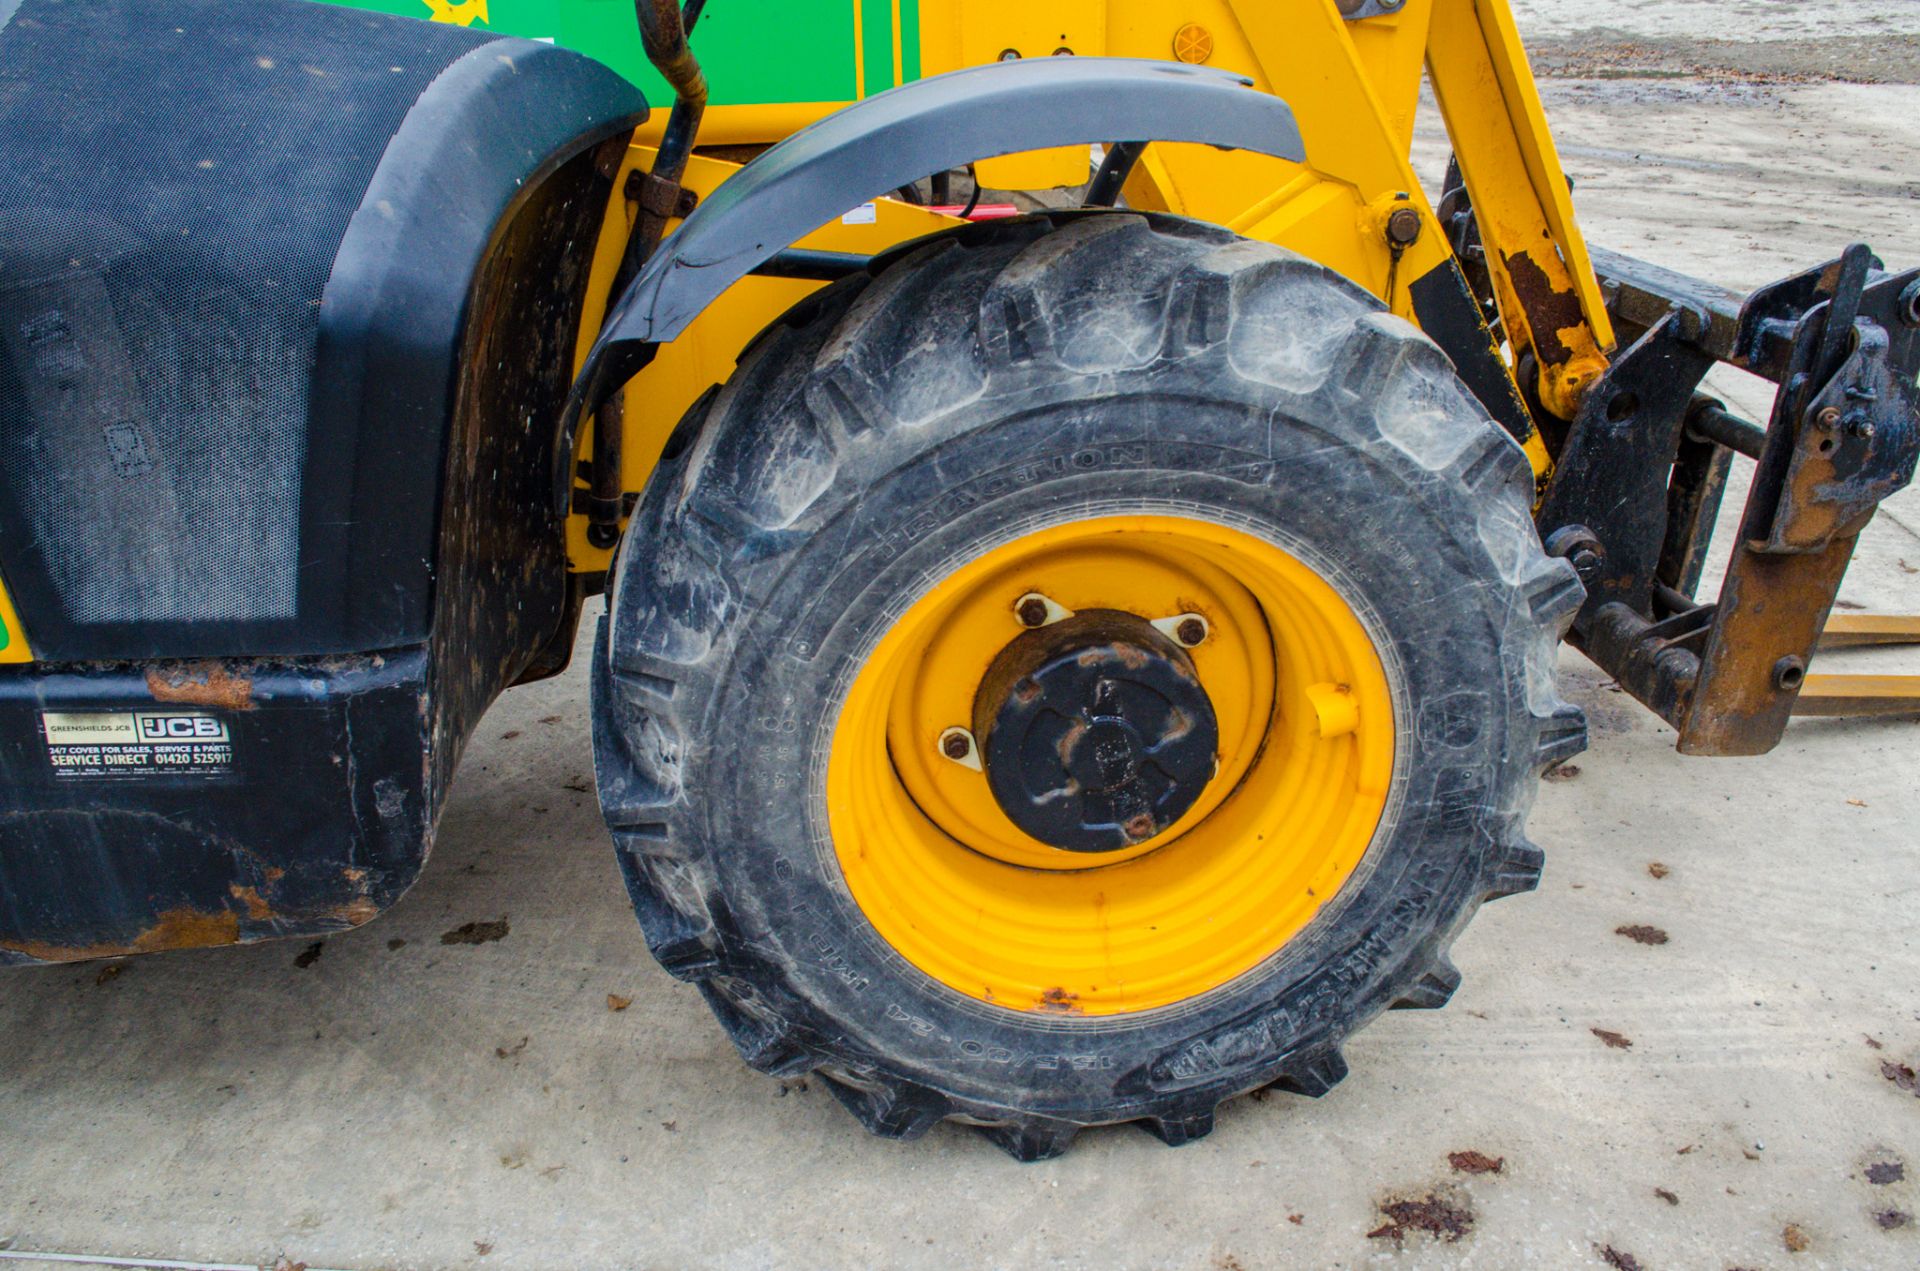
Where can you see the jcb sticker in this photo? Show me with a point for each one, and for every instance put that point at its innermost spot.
(136, 743)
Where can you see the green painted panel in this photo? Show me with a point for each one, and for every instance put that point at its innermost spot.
(754, 51)
(909, 41)
(876, 44)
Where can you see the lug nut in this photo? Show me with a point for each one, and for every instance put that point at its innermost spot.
(1036, 610)
(958, 745)
(1184, 629)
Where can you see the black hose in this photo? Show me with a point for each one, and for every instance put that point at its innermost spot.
(663, 33)
(1114, 170)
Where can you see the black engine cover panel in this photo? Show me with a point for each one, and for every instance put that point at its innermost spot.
(236, 249)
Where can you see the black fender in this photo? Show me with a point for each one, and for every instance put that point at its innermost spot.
(902, 135)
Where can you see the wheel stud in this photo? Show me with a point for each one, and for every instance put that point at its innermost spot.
(957, 744)
(1035, 610)
(1185, 629)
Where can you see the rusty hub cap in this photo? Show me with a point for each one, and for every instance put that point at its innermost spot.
(1096, 732)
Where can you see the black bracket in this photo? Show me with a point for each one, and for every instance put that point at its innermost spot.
(1612, 476)
(657, 196)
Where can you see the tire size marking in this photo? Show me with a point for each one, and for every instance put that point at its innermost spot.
(1323, 1004)
(1016, 1059)
(843, 970)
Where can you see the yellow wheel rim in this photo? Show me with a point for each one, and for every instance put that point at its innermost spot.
(1306, 727)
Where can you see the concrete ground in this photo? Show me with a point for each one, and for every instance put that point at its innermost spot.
(388, 1100)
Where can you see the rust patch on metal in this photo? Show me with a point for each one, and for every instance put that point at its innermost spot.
(361, 910)
(1070, 739)
(1128, 655)
(207, 684)
(1771, 607)
(1060, 1002)
(1549, 312)
(258, 910)
(176, 929)
(1179, 724)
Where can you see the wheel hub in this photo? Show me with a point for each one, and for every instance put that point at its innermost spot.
(1096, 732)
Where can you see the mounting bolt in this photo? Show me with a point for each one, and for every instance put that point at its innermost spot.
(1579, 547)
(1789, 673)
(1859, 425)
(957, 744)
(1403, 227)
(1828, 419)
(1035, 610)
(1185, 629)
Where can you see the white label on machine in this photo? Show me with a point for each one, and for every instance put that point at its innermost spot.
(136, 743)
(865, 214)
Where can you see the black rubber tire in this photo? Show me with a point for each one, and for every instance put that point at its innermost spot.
(894, 425)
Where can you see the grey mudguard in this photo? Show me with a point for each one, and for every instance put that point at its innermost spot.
(904, 134)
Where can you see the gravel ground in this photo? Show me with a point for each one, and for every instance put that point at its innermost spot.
(1739, 1095)
(1857, 41)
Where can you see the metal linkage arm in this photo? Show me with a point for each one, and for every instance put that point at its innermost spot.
(1640, 477)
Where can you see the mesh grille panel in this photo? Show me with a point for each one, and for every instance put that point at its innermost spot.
(175, 180)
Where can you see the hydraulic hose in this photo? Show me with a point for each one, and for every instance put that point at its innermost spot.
(663, 34)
